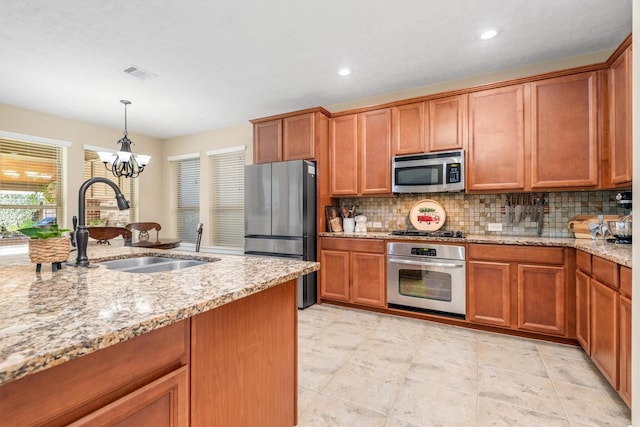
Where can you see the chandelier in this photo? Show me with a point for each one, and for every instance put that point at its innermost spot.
(124, 163)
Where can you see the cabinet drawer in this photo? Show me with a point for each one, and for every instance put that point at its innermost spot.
(525, 254)
(625, 281)
(605, 271)
(583, 261)
(358, 245)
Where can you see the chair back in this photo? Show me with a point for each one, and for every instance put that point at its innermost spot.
(104, 234)
(199, 238)
(144, 227)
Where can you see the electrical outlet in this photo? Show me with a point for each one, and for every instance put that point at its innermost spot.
(494, 226)
(376, 225)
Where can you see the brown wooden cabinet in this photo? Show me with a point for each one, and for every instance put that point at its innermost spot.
(620, 143)
(267, 141)
(489, 293)
(564, 132)
(583, 304)
(360, 154)
(625, 349)
(292, 136)
(434, 125)
(164, 402)
(409, 129)
(518, 287)
(353, 270)
(604, 330)
(496, 152)
(447, 123)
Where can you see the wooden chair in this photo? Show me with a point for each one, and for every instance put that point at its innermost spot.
(199, 238)
(143, 229)
(104, 234)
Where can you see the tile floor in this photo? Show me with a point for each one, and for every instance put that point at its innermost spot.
(358, 368)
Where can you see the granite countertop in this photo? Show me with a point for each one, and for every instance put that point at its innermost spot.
(49, 318)
(618, 253)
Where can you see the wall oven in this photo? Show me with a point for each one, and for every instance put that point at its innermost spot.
(428, 173)
(427, 277)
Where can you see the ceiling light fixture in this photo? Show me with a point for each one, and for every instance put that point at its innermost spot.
(489, 34)
(344, 72)
(124, 163)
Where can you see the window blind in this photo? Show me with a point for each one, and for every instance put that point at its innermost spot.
(226, 198)
(31, 182)
(101, 205)
(187, 193)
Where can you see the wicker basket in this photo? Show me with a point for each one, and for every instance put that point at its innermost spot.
(49, 250)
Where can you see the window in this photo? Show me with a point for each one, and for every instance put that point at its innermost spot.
(101, 206)
(226, 197)
(187, 191)
(31, 184)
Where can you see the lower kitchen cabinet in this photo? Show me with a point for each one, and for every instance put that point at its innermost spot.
(604, 330)
(583, 304)
(625, 349)
(489, 293)
(353, 270)
(518, 287)
(164, 402)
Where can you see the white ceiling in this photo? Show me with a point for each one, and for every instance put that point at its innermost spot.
(221, 63)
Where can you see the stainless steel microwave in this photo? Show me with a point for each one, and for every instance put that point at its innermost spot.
(428, 173)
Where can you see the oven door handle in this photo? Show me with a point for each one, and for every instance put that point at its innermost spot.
(426, 263)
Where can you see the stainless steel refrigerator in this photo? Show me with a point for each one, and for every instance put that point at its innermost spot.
(280, 216)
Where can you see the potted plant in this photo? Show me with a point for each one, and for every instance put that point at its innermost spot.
(47, 244)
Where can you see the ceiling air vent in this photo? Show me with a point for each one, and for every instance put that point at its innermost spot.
(139, 73)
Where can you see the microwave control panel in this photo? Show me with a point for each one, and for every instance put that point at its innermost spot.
(454, 173)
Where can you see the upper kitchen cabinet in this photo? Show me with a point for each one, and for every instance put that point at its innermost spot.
(620, 144)
(495, 154)
(267, 141)
(434, 125)
(446, 123)
(293, 136)
(564, 132)
(409, 129)
(360, 153)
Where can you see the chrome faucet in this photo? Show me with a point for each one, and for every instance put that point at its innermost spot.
(81, 234)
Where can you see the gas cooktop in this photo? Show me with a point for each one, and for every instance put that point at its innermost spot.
(439, 233)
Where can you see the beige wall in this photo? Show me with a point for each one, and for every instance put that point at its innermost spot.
(200, 143)
(32, 123)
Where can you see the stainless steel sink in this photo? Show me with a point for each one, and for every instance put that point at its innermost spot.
(151, 264)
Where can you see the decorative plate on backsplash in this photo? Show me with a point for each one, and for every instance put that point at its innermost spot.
(427, 215)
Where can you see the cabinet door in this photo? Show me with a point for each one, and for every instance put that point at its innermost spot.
(541, 299)
(164, 402)
(604, 330)
(489, 293)
(496, 139)
(375, 149)
(409, 129)
(625, 349)
(368, 279)
(564, 132)
(447, 121)
(620, 119)
(334, 275)
(343, 155)
(299, 137)
(583, 328)
(267, 141)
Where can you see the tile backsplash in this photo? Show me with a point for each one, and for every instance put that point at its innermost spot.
(472, 213)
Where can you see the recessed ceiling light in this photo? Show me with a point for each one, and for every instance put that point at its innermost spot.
(344, 72)
(489, 34)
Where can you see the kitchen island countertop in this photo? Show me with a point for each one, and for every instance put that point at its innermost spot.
(619, 253)
(49, 318)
